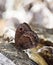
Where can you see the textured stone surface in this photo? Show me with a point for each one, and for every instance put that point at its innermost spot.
(5, 61)
(19, 58)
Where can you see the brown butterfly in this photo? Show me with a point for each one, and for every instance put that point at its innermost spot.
(25, 38)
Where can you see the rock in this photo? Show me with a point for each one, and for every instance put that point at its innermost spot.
(19, 58)
(5, 61)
